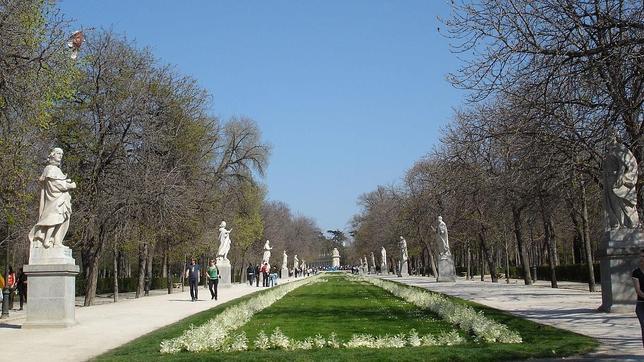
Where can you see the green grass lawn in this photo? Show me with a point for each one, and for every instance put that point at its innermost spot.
(347, 307)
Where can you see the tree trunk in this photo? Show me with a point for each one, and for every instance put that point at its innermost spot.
(166, 267)
(143, 254)
(148, 269)
(523, 252)
(91, 280)
(183, 272)
(91, 257)
(164, 272)
(115, 260)
(548, 236)
(468, 261)
(588, 247)
(507, 262)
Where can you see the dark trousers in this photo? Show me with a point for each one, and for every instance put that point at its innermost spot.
(265, 279)
(250, 279)
(194, 289)
(639, 310)
(212, 286)
(257, 280)
(23, 296)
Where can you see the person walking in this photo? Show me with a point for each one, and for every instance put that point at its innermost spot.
(213, 279)
(192, 273)
(257, 271)
(22, 287)
(250, 273)
(11, 284)
(265, 272)
(638, 283)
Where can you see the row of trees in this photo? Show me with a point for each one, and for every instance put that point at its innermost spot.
(517, 174)
(156, 172)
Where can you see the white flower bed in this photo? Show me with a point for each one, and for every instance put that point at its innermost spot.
(214, 334)
(483, 328)
(278, 340)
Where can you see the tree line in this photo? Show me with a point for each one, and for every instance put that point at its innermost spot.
(156, 171)
(517, 174)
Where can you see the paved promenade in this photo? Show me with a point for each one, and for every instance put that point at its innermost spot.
(570, 307)
(106, 326)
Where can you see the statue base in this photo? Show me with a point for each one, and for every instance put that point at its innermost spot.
(384, 270)
(446, 270)
(618, 257)
(52, 255)
(51, 295)
(335, 263)
(284, 274)
(225, 280)
(404, 269)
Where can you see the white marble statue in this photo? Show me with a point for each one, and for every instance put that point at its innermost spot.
(403, 249)
(224, 241)
(296, 262)
(383, 255)
(373, 261)
(335, 259)
(55, 205)
(442, 238)
(620, 194)
(284, 260)
(267, 251)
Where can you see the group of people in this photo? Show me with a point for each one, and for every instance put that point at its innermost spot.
(254, 274)
(16, 285)
(193, 273)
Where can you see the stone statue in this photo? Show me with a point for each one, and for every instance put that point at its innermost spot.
(373, 261)
(224, 241)
(619, 178)
(55, 205)
(285, 260)
(267, 251)
(335, 259)
(442, 239)
(296, 262)
(383, 261)
(403, 249)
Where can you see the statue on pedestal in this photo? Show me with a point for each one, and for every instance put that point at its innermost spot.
(442, 239)
(383, 261)
(285, 260)
(55, 205)
(403, 249)
(619, 180)
(224, 241)
(267, 252)
(296, 262)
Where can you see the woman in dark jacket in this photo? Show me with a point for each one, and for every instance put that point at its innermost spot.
(22, 287)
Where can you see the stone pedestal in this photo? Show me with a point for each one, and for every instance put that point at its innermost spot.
(619, 256)
(383, 269)
(335, 262)
(284, 273)
(225, 280)
(404, 269)
(446, 270)
(51, 295)
(52, 255)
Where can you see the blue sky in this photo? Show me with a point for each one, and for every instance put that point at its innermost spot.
(348, 93)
